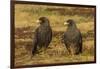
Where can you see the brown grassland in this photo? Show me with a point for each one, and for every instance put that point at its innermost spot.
(25, 25)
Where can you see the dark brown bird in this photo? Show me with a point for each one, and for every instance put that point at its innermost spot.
(72, 38)
(43, 35)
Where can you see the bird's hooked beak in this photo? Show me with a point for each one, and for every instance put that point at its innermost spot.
(65, 23)
(38, 21)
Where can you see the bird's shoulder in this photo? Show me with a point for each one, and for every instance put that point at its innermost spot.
(72, 34)
(44, 30)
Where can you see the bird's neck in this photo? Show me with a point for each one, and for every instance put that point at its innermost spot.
(46, 24)
(73, 27)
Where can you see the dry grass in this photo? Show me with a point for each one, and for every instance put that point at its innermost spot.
(25, 17)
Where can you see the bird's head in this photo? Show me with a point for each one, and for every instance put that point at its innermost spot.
(69, 22)
(43, 20)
